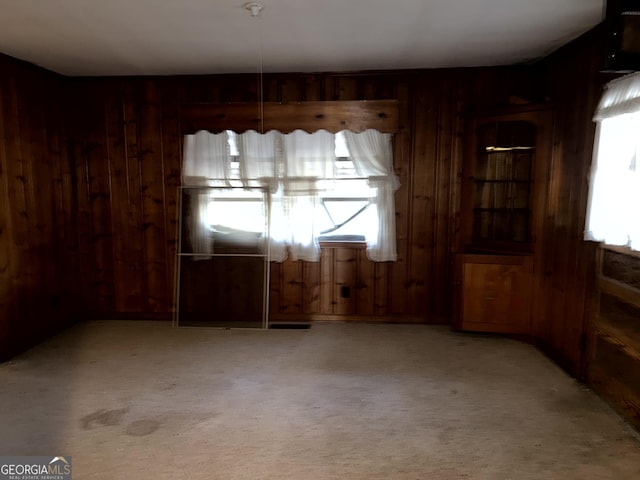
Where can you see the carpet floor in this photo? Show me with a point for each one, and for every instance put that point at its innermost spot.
(143, 400)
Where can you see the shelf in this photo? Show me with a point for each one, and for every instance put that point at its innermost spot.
(501, 209)
(481, 180)
(499, 188)
(506, 154)
(508, 150)
(258, 255)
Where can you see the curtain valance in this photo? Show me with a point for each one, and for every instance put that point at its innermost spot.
(275, 155)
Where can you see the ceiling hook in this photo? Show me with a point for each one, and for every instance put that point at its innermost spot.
(254, 8)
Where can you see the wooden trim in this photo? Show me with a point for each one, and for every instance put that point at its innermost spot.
(493, 258)
(622, 250)
(511, 112)
(330, 244)
(349, 318)
(485, 327)
(333, 116)
(619, 290)
(159, 316)
(620, 339)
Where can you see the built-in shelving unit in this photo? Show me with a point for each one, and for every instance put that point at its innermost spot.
(502, 181)
(506, 155)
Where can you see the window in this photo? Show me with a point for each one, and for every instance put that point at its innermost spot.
(347, 212)
(319, 186)
(236, 217)
(613, 215)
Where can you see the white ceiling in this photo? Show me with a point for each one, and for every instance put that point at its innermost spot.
(134, 37)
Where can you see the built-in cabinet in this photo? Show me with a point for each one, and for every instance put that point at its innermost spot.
(503, 186)
(493, 292)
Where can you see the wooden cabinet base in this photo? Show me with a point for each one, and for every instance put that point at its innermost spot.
(493, 293)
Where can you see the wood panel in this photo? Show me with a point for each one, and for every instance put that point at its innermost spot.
(171, 146)
(292, 295)
(622, 267)
(92, 153)
(311, 287)
(123, 261)
(153, 196)
(565, 280)
(345, 283)
(403, 163)
(39, 289)
(494, 293)
(423, 195)
(133, 254)
(613, 367)
(128, 146)
(364, 284)
(287, 117)
(327, 272)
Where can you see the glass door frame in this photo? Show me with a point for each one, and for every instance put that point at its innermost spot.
(266, 256)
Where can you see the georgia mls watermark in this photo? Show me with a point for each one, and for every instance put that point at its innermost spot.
(35, 468)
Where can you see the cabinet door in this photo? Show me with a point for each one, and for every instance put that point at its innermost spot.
(493, 293)
(504, 178)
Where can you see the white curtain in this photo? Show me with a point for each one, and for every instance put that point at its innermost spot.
(206, 162)
(372, 156)
(259, 158)
(309, 162)
(278, 227)
(310, 155)
(196, 226)
(206, 159)
(260, 163)
(295, 169)
(613, 216)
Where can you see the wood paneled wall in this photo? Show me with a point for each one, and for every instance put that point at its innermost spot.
(127, 147)
(126, 144)
(573, 81)
(38, 231)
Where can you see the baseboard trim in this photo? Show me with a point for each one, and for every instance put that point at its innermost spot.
(315, 317)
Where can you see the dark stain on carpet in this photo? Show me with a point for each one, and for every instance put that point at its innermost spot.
(103, 418)
(140, 428)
